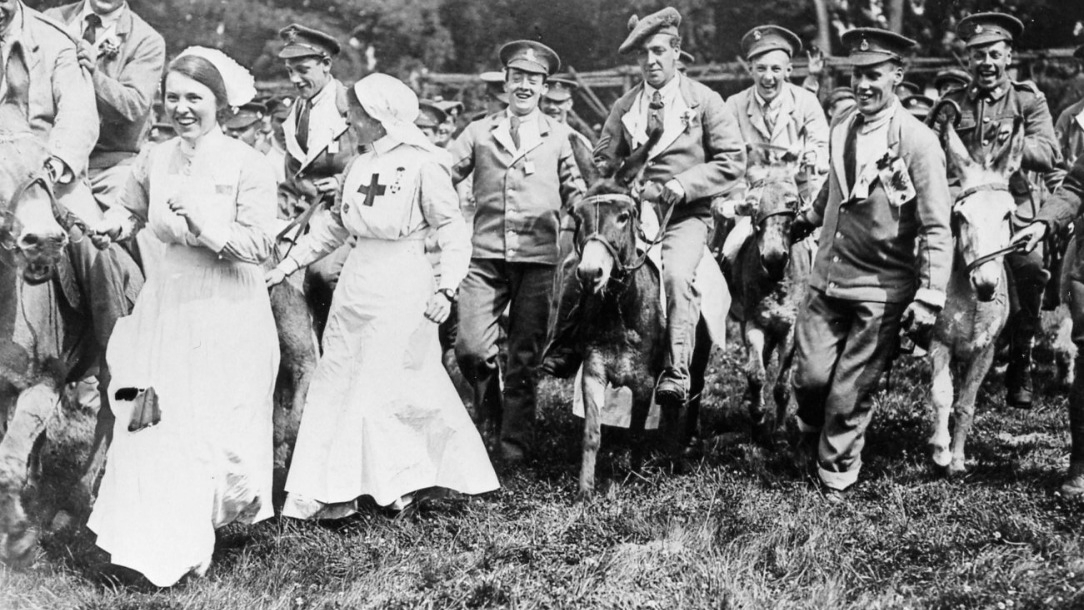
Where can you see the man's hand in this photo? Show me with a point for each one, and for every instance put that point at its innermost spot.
(672, 193)
(57, 171)
(917, 322)
(1030, 235)
(274, 277)
(439, 308)
(816, 61)
(800, 228)
(88, 56)
(326, 185)
(105, 232)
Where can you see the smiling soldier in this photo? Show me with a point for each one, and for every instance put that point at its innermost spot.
(883, 261)
(525, 177)
(319, 147)
(989, 107)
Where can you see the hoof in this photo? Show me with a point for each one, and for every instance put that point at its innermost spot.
(940, 456)
(956, 468)
(584, 496)
(763, 434)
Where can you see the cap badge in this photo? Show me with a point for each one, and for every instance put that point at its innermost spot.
(757, 35)
(530, 56)
(864, 46)
(978, 28)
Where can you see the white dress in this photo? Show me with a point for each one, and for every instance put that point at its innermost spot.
(202, 335)
(382, 418)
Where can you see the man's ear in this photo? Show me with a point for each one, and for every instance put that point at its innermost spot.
(897, 76)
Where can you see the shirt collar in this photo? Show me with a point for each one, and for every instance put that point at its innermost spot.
(667, 91)
(994, 94)
(776, 102)
(880, 119)
(328, 90)
(109, 19)
(530, 117)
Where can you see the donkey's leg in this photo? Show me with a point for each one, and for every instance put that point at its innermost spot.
(781, 393)
(697, 377)
(33, 409)
(965, 405)
(594, 388)
(755, 374)
(941, 403)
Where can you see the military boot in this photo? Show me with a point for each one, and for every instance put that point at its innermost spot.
(1018, 377)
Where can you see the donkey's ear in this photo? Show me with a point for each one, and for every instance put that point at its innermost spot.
(584, 160)
(943, 120)
(1008, 158)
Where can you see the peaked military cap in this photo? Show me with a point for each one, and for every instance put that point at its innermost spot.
(869, 46)
(448, 106)
(985, 28)
(686, 57)
(951, 76)
(494, 85)
(429, 115)
(529, 56)
(305, 42)
(918, 105)
(560, 89)
(764, 38)
(839, 94)
(665, 21)
(909, 87)
(246, 115)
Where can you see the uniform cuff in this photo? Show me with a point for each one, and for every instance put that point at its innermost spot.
(838, 481)
(933, 298)
(215, 237)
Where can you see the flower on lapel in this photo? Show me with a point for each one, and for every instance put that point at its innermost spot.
(109, 46)
(688, 119)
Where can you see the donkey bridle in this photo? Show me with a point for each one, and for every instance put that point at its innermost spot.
(67, 219)
(621, 269)
(1009, 249)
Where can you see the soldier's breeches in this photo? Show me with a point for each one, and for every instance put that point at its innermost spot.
(682, 247)
(1029, 278)
(842, 348)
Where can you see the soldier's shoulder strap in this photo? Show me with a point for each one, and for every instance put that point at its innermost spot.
(1028, 87)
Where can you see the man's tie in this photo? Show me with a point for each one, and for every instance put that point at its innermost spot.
(516, 121)
(302, 135)
(849, 160)
(654, 115)
(770, 116)
(90, 32)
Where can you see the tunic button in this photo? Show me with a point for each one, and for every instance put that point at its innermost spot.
(986, 119)
(833, 285)
(835, 259)
(839, 235)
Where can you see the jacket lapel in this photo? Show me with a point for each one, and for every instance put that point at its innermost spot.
(756, 117)
(632, 120)
(325, 124)
(786, 115)
(534, 140)
(838, 139)
(502, 133)
(289, 133)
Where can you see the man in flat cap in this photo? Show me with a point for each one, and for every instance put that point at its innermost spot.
(882, 263)
(525, 178)
(319, 147)
(698, 155)
(988, 109)
(774, 113)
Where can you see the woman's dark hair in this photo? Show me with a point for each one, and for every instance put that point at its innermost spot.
(204, 73)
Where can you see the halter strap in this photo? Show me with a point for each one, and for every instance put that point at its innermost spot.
(964, 194)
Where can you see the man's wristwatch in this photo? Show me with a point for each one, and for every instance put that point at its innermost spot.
(448, 293)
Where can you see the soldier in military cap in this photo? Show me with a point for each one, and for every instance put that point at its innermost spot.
(525, 178)
(699, 154)
(496, 96)
(883, 260)
(557, 103)
(988, 109)
(918, 105)
(430, 118)
(319, 147)
(1069, 128)
(775, 112)
(906, 89)
(839, 101)
(246, 122)
(952, 78)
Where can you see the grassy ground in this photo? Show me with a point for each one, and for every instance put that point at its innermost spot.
(745, 528)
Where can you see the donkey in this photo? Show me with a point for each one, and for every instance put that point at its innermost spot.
(977, 304)
(768, 280)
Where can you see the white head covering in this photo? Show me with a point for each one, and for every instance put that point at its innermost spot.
(240, 86)
(389, 101)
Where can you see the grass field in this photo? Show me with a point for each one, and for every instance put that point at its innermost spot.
(745, 528)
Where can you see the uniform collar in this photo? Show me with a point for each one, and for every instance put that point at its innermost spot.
(384, 145)
(879, 119)
(323, 94)
(530, 117)
(993, 95)
(667, 91)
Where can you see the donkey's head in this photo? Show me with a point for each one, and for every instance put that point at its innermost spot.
(773, 202)
(982, 213)
(606, 237)
(28, 226)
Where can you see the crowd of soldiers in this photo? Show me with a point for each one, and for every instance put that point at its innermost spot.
(872, 173)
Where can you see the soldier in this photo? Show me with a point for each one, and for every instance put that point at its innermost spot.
(778, 113)
(988, 109)
(430, 118)
(319, 146)
(525, 178)
(906, 89)
(699, 155)
(246, 123)
(918, 105)
(952, 78)
(883, 260)
(496, 97)
(1069, 127)
(557, 103)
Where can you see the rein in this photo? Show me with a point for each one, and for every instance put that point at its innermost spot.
(301, 222)
(74, 227)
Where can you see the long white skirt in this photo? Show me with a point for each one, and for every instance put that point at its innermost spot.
(382, 418)
(203, 336)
